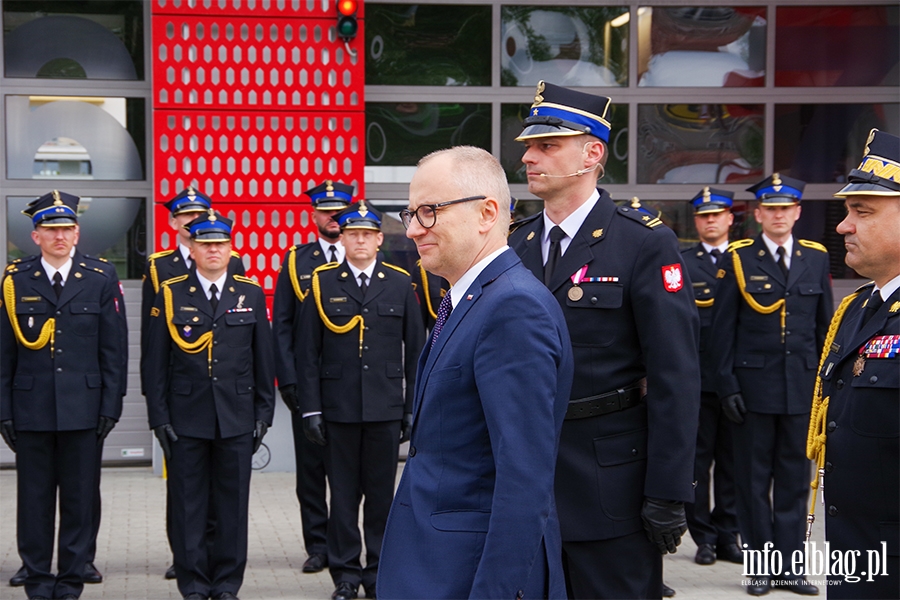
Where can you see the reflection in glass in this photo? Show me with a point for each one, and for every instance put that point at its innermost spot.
(820, 143)
(511, 151)
(700, 143)
(837, 45)
(411, 44)
(570, 46)
(114, 228)
(78, 40)
(710, 46)
(102, 137)
(399, 134)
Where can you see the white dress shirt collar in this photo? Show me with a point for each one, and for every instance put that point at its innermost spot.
(63, 270)
(185, 254)
(462, 286)
(368, 270)
(773, 249)
(205, 283)
(338, 248)
(570, 226)
(890, 287)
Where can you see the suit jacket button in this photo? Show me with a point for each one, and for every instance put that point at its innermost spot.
(832, 510)
(787, 352)
(215, 361)
(873, 379)
(365, 311)
(215, 378)
(215, 342)
(594, 300)
(786, 294)
(365, 367)
(59, 312)
(829, 467)
(412, 451)
(831, 426)
(839, 384)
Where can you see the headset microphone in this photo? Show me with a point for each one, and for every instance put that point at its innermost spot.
(577, 173)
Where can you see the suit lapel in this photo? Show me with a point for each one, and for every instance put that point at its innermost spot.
(704, 261)
(798, 265)
(873, 326)
(74, 285)
(349, 284)
(228, 298)
(532, 257)
(376, 283)
(579, 253)
(767, 262)
(40, 283)
(197, 296)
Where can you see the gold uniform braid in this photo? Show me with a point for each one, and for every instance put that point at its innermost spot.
(426, 292)
(48, 330)
(292, 271)
(815, 439)
(764, 310)
(339, 329)
(204, 342)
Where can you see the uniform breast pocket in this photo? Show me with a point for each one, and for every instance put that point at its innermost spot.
(875, 406)
(339, 313)
(592, 296)
(392, 326)
(763, 288)
(240, 328)
(32, 316)
(85, 317)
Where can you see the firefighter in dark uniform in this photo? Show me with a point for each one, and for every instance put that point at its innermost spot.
(625, 466)
(358, 339)
(161, 266)
(773, 305)
(290, 292)
(61, 377)
(210, 400)
(713, 530)
(430, 290)
(855, 424)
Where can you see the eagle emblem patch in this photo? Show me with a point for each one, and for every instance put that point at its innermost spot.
(672, 278)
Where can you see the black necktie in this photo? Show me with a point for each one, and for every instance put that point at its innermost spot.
(333, 251)
(443, 314)
(556, 235)
(715, 253)
(57, 284)
(362, 283)
(781, 262)
(872, 306)
(213, 297)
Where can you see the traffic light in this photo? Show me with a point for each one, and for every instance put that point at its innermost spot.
(347, 25)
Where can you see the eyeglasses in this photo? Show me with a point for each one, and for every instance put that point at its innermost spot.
(426, 214)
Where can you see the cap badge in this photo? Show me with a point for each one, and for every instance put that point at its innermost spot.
(57, 201)
(869, 140)
(363, 211)
(191, 192)
(635, 202)
(776, 182)
(706, 194)
(212, 215)
(540, 90)
(329, 188)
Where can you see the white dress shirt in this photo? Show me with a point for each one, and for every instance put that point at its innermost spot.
(570, 226)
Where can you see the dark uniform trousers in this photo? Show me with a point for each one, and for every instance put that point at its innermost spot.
(632, 318)
(209, 375)
(358, 388)
(290, 292)
(773, 367)
(716, 526)
(862, 472)
(55, 401)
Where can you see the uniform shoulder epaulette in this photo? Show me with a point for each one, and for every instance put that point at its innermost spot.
(235, 254)
(737, 245)
(178, 279)
(243, 279)
(292, 249)
(326, 267)
(639, 216)
(156, 255)
(813, 245)
(91, 257)
(396, 268)
(516, 224)
(865, 286)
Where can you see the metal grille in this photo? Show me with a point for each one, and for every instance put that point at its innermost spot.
(270, 8)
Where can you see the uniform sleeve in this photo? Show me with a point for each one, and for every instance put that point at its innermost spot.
(155, 369)
(236, 266)
(9, 349)
(308, 332)
(825, 309)
(123, 323)
(263, 364)
(724, 325)
(148, 295)
(413, 340)
(669, 329)
(111, 342)
(285, 311)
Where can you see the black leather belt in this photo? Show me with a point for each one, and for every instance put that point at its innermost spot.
(604, 403)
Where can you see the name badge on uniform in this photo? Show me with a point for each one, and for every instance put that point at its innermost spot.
(305, 276)
(30, 299)
(341, 299)
(759, 278)
(187, 309)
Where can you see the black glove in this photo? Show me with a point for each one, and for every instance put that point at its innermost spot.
(664, 522)
(405, 427)
(104, 426)
(165, 434)
(289, 395)
(733, 407)
(8, 431)
(314, 428)
(258, 434)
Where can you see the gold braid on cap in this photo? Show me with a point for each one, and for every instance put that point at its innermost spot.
(815, 439)
(339, 329)
(763, 310)
(48, 330)
(204, 342)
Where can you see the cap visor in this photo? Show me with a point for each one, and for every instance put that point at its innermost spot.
(541, 130)
(62, 222)
(866, 189)
(212, 237)
(711, 208)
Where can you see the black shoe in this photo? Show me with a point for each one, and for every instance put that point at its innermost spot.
(730, 552)
(759, 586)
(344, 591)
(370, 591)
(315, 563)
(18, 580)
(798, 585)
(170, 572)
(225, 596)
(667, 592)
(195, 596)
(705, 555)
(91, 574)
(69, 597)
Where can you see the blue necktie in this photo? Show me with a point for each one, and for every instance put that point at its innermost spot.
(443, 313)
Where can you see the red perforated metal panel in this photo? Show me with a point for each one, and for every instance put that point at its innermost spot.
(267, 8)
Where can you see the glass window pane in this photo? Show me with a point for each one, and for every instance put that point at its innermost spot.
(412, 44)
(837, 45)
(566, 45)
(709, 46)
(77, 40)
(700, 143)
(820, 143)
(114, 228)
(398, 134)
(511, 151)
(63, 137)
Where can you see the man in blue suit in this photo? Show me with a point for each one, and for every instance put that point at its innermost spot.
(475, 516)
